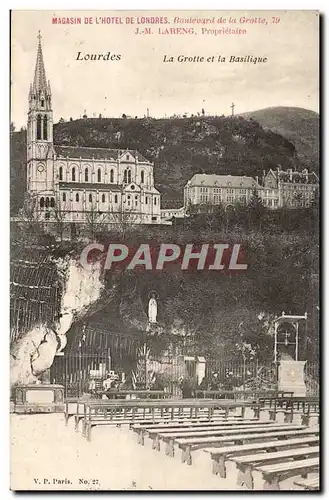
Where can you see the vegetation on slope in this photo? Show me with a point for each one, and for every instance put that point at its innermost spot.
(178, 147)
(298, 125)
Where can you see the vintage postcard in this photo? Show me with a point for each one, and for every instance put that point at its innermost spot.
(164, 210)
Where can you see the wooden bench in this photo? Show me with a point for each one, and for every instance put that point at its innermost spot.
(195, 435)
(189, 444)
(310, 484)
(107, 417)
(275, 473)
(307, 409)
(144, 424)
(295, 404)
(169, 435)
(268, 400)
(80, 405)
(178, 421)
(174, 408)
(143, 429)
(247, 464)
(136, 406)
(220, 455)
(247, 394)
(129, 409)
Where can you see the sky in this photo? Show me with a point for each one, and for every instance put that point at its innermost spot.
(141, 80)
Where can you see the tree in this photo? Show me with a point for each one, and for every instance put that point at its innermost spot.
(30, 209)
(256, 210)
(96, 220)
(30, 214)
(60, 217)
(124, 221)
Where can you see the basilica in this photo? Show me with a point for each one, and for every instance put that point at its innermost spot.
(78, 183)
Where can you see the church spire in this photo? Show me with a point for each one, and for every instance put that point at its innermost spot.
(40, 80)
(40, 115)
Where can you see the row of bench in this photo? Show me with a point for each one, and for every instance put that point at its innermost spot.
(94, 413)
(97, 411)
(277, 451)
(271, 449)
(244, 395)
(305, 407)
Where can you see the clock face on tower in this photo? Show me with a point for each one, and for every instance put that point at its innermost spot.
(41, 168)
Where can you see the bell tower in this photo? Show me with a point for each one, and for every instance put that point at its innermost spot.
(39, 129)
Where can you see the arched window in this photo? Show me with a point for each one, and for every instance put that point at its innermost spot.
(45, 128)
(86, 175)
(142, 177)
(90, 198)
(99, 175)
(112, 175)
(77, 197)
(125, 177)
(129, 176)
(115, 198)
(73, 174)
(103, 198)
(60, 173)
(42, 202)
(52, 202)
(47, 202)
(64, 196)
(38, 127)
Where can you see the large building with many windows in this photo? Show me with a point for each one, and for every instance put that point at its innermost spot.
(79, 182)
(215, 189)
(277, 189)
(293, 189)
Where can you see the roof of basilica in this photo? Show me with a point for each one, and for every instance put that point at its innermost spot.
(86, 153)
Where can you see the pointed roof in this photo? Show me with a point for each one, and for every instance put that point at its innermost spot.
(40, 80)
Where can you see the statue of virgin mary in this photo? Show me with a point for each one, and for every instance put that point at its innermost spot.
(153, 310)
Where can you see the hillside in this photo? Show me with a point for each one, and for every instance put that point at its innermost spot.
(179, 148)
(298, 125)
